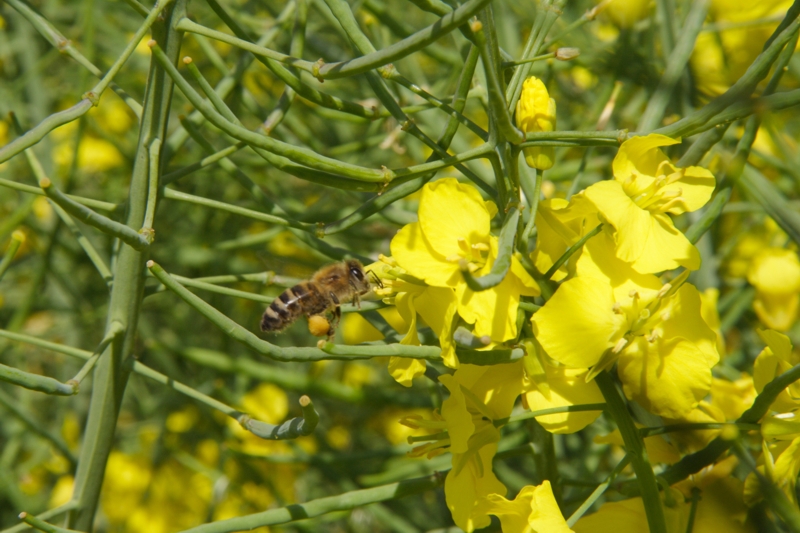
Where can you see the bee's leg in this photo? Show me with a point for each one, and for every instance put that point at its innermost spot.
(337, 313)
(357, 300)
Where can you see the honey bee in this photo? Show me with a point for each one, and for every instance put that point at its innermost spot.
(326, 291)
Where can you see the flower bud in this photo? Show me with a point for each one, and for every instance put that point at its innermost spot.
(536, 111)
(567, 53)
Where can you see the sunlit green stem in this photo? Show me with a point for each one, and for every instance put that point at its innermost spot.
(110, 373)
(154, 155)
(126, 234)
(89, 202)
(321, 506)
(635, 450)
(570, 251)
(64, 45)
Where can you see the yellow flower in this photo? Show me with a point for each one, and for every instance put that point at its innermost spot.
(534, 510)
(636, 204)
(560, 386)
(536, 111)
(775, 273)
(436, 306)
(719, 509)
(783, 472)
(453, 231)
(626, 13)
(775, 359)
(656, 333)
(720, 58)
(479, 395)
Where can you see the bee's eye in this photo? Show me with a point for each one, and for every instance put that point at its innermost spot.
(356, 272)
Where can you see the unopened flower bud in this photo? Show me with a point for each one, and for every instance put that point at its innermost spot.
(567, 53)
(536, 111)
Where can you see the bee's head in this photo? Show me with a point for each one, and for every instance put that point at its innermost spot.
(358, 278)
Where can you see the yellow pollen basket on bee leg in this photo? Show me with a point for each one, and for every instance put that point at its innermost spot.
(536, 111)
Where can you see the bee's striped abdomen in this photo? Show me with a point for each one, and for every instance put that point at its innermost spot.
(286, 308)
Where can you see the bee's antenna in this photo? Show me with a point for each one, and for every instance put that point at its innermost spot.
(377, 279)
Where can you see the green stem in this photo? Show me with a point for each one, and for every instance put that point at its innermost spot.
(695, 462)
(110, 373)
(321, 506)
(505, 254)
(86, 244)
(35, 382)
(542, 447)
(744, 86)
(370, 61)
(64, 46)
(172, 194)
(579, 138)
(773, 495)
(377, 203)
(34, 425)
(548, 12)
(300, 155)
(17, 238)
(570, 251)
(291, 429)
(47, 125)
(635, 450)
(498, 108)
(41, 525)
(97, 91)
(89, 202)
(694, 426)
(550, 411)
(676, 66)
(598, 492)
(212, 159)
(126, 234)
(50, 513)
(154, 156)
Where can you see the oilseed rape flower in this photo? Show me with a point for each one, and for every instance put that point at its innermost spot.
(775, 273)
(411, 297)
(635, 206)
(534, 510)
(453, 232)
(536, 111)
(782, 472)
(655, 333)
(479, 396)
(775, 359)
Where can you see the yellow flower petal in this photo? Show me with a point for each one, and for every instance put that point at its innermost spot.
(648, 241)
(581, 305)
(413, 253)
(463, 490)
(449, 210)
(667, 377)
(534, 510)
(639, 158)
(567, 386)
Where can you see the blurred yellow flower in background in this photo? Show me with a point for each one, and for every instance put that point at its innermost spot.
(775, 273)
